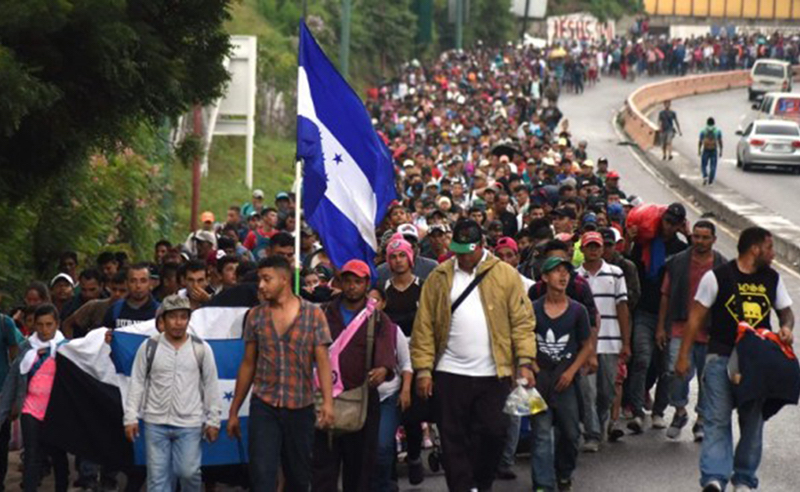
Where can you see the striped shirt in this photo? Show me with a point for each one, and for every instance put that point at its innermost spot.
(608, 290)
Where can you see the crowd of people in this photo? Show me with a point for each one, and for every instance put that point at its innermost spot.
(507, 259)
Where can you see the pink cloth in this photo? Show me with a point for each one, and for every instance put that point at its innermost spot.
(397, 243)
(39, 388)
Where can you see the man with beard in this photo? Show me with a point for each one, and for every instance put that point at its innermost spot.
(138, 305)
(727, 293)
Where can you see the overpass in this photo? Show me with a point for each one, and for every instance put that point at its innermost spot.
(736, 11)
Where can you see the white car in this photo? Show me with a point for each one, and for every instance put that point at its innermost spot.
(769, 143)
(769, 75)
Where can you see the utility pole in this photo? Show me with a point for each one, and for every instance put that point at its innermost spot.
(344, 46)
(459, 24)
(198, 132)
(525, 20)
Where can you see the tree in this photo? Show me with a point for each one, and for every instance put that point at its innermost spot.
(78, 76)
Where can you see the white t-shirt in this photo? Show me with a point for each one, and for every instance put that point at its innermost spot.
(608, 289)
(709, 288)
(469, 347)
(387, 389)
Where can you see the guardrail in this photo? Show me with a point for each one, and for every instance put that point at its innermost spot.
(643, 131)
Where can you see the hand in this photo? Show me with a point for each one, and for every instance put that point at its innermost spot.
(592, 364)
(526, 373)
(325, 415)
(199, 295)
(132, 431)
(234, 430)
(377, 376)
(661, 337)
(682, 366)
(565, 380)
(625, 353)
(211, 433)
(405, 399)
(425, 387)
(786, 335)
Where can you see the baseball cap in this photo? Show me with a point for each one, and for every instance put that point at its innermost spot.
(467, 236)
(408, 163)
(484, 163)
(258, 194)
(554, 262)
(174, 303)
(602, 160)
(207, 217)
(204, 236)
(357, 268)
(592, 238)
(587, 163)
(507, 242)
(62, 276)
(548, 161)
(443, 228)
(608, 236)
(409, 232)
(282, 196)
(676, 213)
(612, 175)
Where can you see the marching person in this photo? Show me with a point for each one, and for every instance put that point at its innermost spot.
(175, 391)
(472, 334)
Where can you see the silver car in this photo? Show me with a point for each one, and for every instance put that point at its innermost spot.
(769, 143)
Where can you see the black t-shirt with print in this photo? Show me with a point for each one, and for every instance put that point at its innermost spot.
(560, 338)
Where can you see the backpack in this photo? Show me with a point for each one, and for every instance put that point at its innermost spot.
(262, 243)
(152, 345)
(710, 139)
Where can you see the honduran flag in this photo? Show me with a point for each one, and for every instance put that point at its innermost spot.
(85, 413)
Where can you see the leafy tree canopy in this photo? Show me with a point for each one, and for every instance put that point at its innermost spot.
(79, 75)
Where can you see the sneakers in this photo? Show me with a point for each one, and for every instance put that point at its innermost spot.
(713, 486)
(564, 485)
(679, 421)
(505, 473)
(698, 431)
(590, 446)
(635, 425)
(705, 181)
(416, 474)
(659, 422)
(615, 432)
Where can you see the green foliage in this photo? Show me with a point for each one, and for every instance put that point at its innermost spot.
(602, 9)
(488, 21)
(188, 150)
(79, 75)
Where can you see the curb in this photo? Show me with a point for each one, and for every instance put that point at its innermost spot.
(726, 204)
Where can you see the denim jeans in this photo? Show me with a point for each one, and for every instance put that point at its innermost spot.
(708, 164)
(597, 392)
(644, 345)
(512, 441)
(717, 458)
(554, 440)
(387, 447)
(679, 387)
(280, 436)
(173, 455)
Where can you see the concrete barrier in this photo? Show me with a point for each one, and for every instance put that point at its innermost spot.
(643, 131)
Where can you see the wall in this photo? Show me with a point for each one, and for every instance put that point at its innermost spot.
(731, 9)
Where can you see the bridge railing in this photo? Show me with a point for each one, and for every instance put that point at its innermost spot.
(634, 115)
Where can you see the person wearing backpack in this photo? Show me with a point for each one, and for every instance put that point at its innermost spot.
(709, 149)
(174, 389)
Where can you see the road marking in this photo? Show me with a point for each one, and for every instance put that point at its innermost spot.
(658, 177)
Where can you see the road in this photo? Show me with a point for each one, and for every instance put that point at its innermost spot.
(650, 461)
(775, 189)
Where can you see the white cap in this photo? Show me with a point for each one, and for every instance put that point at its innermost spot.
(62, 276)
(258, 194)
(408, 163)
(408, 230)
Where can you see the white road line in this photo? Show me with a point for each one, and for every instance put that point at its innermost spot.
(647, 167)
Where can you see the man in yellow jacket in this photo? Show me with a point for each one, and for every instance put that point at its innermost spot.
(473, 332)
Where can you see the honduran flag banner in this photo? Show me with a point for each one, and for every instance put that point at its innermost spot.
(84, 415)
(348, 176)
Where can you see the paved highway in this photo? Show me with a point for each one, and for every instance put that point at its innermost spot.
(651, 462)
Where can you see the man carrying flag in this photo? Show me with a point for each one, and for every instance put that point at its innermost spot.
(348, 180)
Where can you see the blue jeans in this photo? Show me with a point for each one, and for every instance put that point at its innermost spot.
(512, 441)
(280, 437)
(709, 158)
(554, 440)
(717, 458)
(597, 391)
(173, 454)
(679, 387)
(387, 446)
(644, 345)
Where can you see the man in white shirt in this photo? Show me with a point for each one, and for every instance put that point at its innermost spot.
(613, 340)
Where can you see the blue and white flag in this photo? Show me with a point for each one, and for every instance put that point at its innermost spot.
(84, 415)
(348, 180)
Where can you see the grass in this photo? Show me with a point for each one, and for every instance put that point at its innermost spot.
(273, 171)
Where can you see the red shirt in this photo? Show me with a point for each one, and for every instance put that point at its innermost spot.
(250, 241)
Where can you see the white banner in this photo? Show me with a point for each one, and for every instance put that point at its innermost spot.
(579, 27)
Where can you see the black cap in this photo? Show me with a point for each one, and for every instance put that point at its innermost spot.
(608, 236)
(676, 213)
(467, 234)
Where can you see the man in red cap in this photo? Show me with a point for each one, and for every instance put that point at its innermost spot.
(354, 453)
(613, 340)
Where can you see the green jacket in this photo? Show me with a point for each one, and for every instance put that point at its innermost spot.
(509, 315)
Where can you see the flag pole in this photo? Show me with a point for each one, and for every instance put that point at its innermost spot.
(298, 217)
